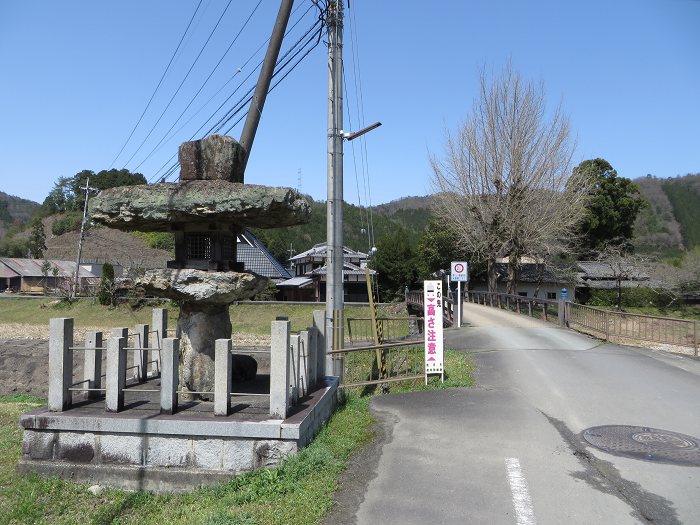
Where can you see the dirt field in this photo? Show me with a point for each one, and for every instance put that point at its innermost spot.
(24, 366)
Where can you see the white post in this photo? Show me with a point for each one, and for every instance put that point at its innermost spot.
(170, 361)
(279, 369)
(116, 374)
(92, 370)
(223, 360)
(459, 304)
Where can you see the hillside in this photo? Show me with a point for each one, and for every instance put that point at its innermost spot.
(386, 219)
(14, 212)
(671, 222)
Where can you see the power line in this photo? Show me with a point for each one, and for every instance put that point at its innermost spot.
(183, 81)
(159, 84)
(241, 102)
(245, 24)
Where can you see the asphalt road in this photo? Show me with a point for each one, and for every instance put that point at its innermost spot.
(510, 451)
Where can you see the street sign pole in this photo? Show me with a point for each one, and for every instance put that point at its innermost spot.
(459, 304)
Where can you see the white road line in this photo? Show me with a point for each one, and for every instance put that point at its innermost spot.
(521, 496)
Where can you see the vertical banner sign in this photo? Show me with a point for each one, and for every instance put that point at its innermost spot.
(432, 314)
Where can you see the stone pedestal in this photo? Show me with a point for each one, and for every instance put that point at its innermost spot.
(198, 328)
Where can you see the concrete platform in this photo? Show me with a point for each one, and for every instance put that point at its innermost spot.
(141, 449)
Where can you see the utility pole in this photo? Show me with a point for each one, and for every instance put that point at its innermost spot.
(263, 86)
(76, 278)
(334, 224)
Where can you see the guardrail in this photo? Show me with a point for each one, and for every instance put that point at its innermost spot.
(609, 324)
(415, 298)
(546, 309)
(380, 364)
(665, 330)
(392, 328)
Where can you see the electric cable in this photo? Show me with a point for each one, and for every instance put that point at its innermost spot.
(211, 34)
(167, 68)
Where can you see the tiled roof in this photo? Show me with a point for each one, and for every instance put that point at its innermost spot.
(296, 281)
(348, 269)
(319, 250)
(601, 270)
(257, 259)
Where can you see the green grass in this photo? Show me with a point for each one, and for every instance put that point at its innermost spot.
(298, 491)
(249, 318)
(686, 312)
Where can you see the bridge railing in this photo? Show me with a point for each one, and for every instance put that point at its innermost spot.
(415, 298)
(609, 324)
(545, 309)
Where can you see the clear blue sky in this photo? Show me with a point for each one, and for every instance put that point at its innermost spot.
(76, 75)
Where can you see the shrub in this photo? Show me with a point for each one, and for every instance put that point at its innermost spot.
(631, 297)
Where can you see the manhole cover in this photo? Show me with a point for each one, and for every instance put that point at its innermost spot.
(650, 444)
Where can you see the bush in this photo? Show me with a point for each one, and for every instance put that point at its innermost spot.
(631, 297)
(106, 294)
(68, 223)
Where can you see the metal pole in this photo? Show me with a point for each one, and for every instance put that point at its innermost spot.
(76, 279)
(334, 223)
(258, 101)
(459, 304)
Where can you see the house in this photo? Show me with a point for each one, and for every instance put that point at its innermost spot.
(32, 275)
(602, 275)
(309, 280)
(548, 282)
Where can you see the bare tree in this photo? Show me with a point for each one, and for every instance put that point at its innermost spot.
(504, 180)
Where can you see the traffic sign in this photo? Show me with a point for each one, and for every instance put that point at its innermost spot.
(459, 271)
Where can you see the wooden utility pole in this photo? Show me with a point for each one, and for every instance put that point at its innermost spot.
(76, 277)
(263, 86)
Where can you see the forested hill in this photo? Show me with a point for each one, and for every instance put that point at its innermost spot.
(672, 219)
(383, 220)
(14, 211)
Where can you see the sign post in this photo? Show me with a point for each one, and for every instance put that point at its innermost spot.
(432, 315)
(459, 271)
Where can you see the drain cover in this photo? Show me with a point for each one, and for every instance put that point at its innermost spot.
(650, 444)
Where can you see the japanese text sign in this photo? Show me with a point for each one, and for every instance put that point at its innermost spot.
(459, 271)
(433, 304)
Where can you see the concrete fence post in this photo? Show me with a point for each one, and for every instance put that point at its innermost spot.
(159, 324)
(116, 374)
(304, 353)
(60, 363)
(313, 357)
(295, 386)
(92, 370)
(320, 329)
(223, 362)
(560, 312)
(279, 369)
(141, 356)
(170, 369)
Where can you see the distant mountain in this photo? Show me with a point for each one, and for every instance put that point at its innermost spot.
(672, 219)
(14, 211)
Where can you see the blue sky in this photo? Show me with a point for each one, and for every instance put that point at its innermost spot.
(76, 76)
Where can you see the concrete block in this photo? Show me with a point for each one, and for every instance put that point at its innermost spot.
(60, 363)
(159, 326)
(312, 357)
(168, 452)
(238, 455)
(208, 453)
(304, 352)
(270, 453)
(279, 369)
(169, 362)
(121, 449)
(92, 370)
(223, 360)
(38, 445)
(295, 369)
(116, 374)
(140, 359)
(320, 326)
(75, 447)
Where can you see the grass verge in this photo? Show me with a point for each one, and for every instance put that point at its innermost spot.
(298, 491)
